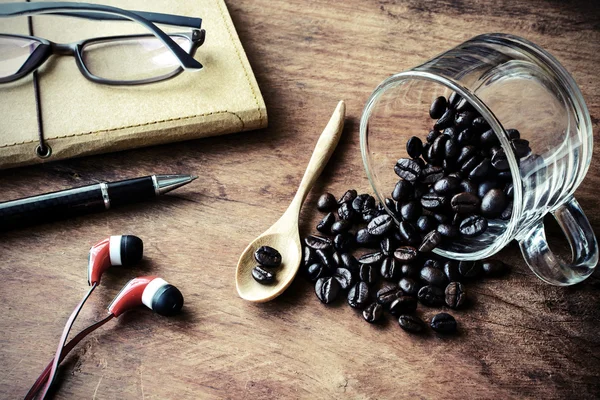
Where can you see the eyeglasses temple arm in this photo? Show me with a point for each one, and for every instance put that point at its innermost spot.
(16, 9)
(157, 18)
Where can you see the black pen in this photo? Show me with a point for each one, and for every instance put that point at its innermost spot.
(82, 200)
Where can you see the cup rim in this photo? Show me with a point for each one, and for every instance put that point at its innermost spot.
(511, 228)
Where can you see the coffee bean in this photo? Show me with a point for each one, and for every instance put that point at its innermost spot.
(411, 211)
(325, 257)
(387, 245)
(403, 305)
(446, 120)
(454, 99)
(370, 215)
(407, 169)
(468, 165)
(507, 213)
(363, 202)
(387, 294)
(470, 269)
(457, 219)
(499, 160)
(373, 313)
(431, 296)
(431, 136)
(447, 185)
(433, 276)
(431, 174)
(468, 187)
(438, 148)
(267, 257)
(365, 239)
(433, 201)
(464, 119)
(448, 230)
(466, 137)
(480, 124)
(411, 323)
(493, 203)
(441, 218)
(481, 170)
(494, 268)
(414, 146)
(438, 107)
(316, 271)
(348, 197)
(464, 105)
(371, 258)
(344, 278)
(327, 289)
(452, 149)
(347, 212)
(341, 226)
(409, 286)
(432, 264)
(403, 191)
(409, 233)
(344, 242)
(455, 295)
(504, 175)
(451, 271)
(368, 273)
(309, 256)
(465, 203)
(450, 132)
(409, 271)
(262, 275)
(426, 223)
(521, 148)
(513, 134)
(473, 225)
(337, 258)
(406, 254)
(430, 241)
(324, 226)
(466, 153)
(420, 190)
(349, 262)
(381, 225)
(390, 269)
(489, 139)
(485, 187)
(358, 296)
(326, 203)
(443, 323)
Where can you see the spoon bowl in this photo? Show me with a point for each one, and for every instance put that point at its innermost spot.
(284, 235)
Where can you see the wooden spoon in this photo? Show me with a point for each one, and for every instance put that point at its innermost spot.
(283, 235)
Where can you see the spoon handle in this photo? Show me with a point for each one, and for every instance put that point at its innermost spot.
(323, 150)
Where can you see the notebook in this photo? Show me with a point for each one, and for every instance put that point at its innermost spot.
(82, 118)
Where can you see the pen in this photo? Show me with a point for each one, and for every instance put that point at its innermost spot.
(82, 200)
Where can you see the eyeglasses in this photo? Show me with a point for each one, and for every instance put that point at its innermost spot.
(113, 60)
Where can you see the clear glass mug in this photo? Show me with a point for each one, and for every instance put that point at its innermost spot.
(512, 83)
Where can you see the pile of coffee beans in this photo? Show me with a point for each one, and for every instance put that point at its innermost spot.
(268, 259)
(456, 180)
(393, 276)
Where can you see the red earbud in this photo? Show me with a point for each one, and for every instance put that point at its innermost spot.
(152, 291)
(115, 250)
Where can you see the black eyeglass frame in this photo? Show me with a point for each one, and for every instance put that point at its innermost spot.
(47, 48)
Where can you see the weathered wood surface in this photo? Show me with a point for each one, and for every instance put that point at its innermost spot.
(521, 338)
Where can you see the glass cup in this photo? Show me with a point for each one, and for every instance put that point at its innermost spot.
(512, 83)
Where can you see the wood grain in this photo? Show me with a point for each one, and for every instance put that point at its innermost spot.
(519, 339)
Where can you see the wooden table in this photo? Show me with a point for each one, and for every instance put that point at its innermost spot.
(520, 338)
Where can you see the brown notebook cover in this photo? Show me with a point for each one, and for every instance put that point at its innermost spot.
(81, 117)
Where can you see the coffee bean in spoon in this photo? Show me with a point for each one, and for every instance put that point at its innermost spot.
(327, 289)
(262, 275)
(267, 257)
(326, 203)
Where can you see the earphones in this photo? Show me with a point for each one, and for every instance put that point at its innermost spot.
(151, 291)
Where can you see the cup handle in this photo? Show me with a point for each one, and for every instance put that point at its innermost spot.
(581, 238)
